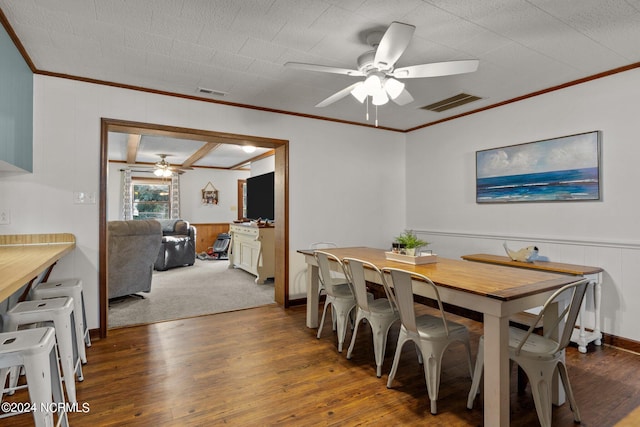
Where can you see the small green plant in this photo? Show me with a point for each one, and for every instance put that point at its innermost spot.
(410, 240)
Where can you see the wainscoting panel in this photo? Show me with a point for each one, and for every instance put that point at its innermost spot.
(206, 234)
(620, 313)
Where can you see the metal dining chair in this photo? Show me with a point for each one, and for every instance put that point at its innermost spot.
(315, 246)
(380, 313)
(540, 356)
(339, 295)
(431, 335)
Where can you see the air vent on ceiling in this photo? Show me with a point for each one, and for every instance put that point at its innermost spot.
(452, 102)
(206, 91)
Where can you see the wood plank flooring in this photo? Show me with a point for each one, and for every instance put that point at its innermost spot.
(263, 367)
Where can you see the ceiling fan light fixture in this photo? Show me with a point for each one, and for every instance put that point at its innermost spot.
(372, 83)
(393, 87)
(380, 98)
(248, 149)
(360, 92)
(158, 172)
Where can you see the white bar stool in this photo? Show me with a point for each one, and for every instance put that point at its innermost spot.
(68, 288)
(60, 312)
(35, 350)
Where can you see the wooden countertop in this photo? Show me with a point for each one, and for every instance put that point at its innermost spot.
(554, 267)
(24, 256)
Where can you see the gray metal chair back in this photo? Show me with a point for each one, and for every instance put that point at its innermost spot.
(403, 290)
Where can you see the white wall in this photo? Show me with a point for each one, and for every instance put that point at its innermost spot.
(441, 189)
(226, 182)
(337, 190)
(262, 166)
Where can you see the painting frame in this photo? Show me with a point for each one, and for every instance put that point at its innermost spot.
(566, 168)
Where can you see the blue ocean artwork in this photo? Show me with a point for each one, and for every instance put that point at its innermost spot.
(577, 184)
(559, 169)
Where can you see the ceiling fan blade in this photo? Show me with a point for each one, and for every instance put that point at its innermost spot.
(393, 44)
(338, 95)
(404, 98)
(323, 69)
(436, 69)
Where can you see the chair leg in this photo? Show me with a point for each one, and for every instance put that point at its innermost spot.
(39, 381)
(432, 356)
(354, 333)
(324, 313)
(85, 334)
(56, 385)
(477, 374)
(342, 321)
(562, 370)
(540, 380)
(380, 335)
(402, 338)
(419, 353)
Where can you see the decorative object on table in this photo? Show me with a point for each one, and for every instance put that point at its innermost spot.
(422, 258)
(209, 194)
(558, 169)
(411, 242)
(528, 254)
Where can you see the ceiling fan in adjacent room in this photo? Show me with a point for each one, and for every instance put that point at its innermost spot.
(161, 168)
(382, 79)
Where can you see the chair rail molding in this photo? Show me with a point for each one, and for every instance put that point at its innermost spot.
(619, 244)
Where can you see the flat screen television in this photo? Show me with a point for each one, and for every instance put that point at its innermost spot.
(260, 197)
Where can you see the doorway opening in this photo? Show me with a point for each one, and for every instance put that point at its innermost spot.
(280, 147)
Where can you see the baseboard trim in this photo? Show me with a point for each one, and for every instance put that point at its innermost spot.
(621, 343)
(297, 301)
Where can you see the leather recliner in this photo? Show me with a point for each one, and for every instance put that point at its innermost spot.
(178, 246)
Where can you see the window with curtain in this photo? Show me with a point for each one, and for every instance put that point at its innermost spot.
(151, 198)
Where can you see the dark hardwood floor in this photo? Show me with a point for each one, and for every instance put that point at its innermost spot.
(264, 367)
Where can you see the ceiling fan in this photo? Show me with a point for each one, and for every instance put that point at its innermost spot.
(378, 67)
(162, 168)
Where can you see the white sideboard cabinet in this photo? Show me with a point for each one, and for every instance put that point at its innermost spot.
(253, 250)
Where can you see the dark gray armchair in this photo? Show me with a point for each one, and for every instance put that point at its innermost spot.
(178, 246)
(132, 249)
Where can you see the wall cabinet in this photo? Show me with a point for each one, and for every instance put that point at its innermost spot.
(253, 250)
(16, 109)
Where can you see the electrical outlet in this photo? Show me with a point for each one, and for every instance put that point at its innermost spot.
(5, 217)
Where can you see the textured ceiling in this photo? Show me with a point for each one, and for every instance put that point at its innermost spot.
(239, 48)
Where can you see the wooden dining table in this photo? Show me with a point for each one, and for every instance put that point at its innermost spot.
(493, 290)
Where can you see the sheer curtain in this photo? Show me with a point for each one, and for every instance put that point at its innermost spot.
(175, 196)
(127, 195)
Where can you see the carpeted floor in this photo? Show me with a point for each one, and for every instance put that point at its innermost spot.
(207, 287)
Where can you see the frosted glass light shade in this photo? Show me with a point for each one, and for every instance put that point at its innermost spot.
(393, 87)
(380, 98)
(373, 83)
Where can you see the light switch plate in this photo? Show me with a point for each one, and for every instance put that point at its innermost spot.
(84, 198)
(5, 217)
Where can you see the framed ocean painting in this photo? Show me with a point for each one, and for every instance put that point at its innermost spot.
(559, 169)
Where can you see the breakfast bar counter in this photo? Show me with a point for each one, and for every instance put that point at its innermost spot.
(23, 257)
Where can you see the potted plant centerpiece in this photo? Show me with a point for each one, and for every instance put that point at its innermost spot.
(411, 242)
